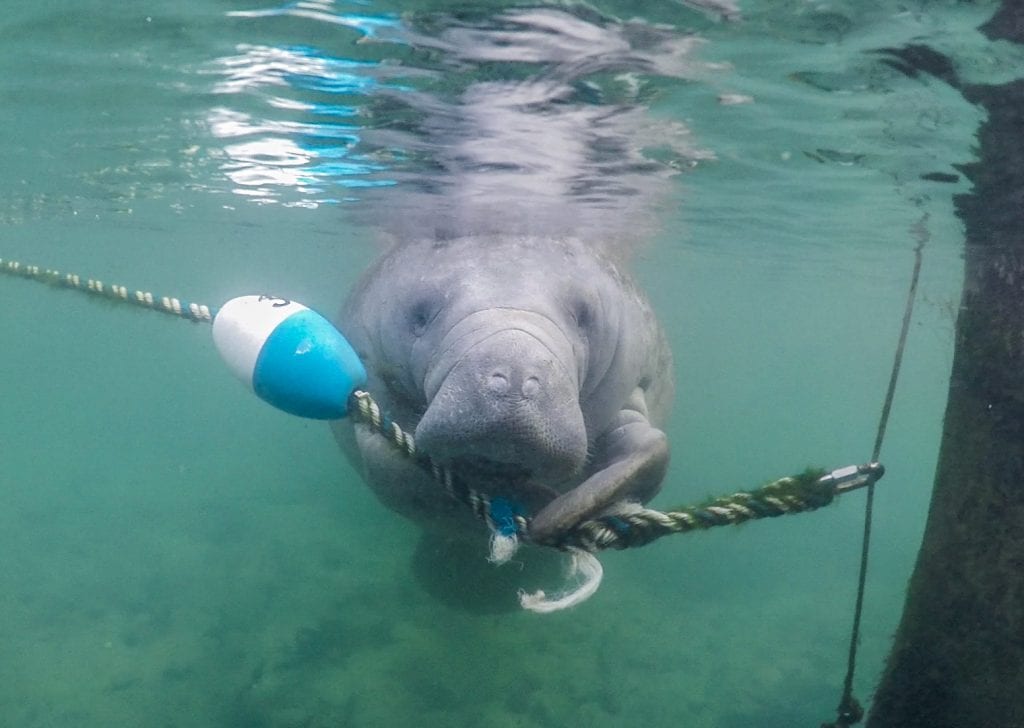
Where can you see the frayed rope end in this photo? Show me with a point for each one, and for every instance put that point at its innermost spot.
(503, 548)
(585, 565)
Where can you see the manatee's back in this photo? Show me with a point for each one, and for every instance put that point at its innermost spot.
(556, 142)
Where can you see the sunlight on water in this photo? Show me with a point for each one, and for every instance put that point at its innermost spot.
(369, 26)
(274, 153)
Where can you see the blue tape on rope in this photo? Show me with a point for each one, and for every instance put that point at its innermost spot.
(503, 516)
(617, 524)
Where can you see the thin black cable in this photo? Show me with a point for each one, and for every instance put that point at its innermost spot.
(850, 710)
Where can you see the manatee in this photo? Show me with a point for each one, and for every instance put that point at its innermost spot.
(533, 366)
(500, 324)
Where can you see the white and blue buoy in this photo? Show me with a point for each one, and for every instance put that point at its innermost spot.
(291, 356)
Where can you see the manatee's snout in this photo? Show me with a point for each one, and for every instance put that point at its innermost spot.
(505, 397)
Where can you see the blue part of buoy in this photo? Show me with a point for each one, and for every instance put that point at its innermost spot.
(307, 368)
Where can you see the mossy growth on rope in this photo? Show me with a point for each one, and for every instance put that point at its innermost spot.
(803, 491)
(637, 526)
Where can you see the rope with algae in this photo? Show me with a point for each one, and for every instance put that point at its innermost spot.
(629, 525)
(626, 525)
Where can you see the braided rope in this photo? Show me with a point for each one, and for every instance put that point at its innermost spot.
(630, 525)
(364, 408)
(144, 299)
(627, 525)
(624, 526)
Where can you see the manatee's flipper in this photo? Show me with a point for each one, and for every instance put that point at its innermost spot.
(632, 458)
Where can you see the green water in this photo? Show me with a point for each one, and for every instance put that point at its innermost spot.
(176, 553)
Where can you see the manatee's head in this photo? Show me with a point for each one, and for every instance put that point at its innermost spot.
(503, 390)
(488, 343)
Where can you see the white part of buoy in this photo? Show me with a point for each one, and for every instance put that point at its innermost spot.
(243, 325)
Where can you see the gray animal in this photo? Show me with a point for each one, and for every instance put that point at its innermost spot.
(501, 326)
(533, 366)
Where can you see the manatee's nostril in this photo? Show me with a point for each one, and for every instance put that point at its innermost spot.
(531, 386)
(498, 383)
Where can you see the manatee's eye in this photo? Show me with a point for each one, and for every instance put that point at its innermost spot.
(582, 312)
(422, 313)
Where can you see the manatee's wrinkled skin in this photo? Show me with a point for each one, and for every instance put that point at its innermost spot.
(533, 366)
